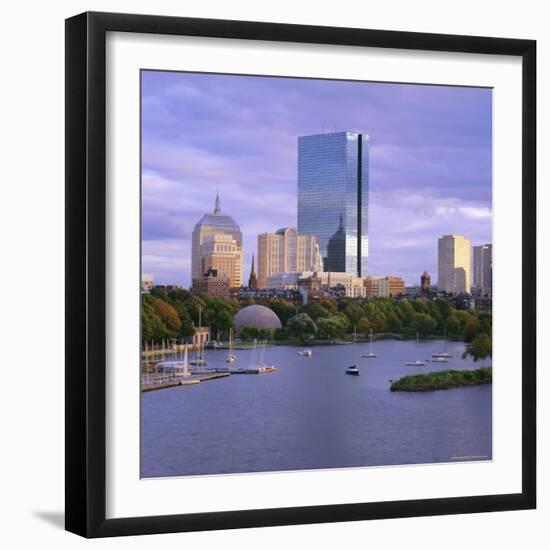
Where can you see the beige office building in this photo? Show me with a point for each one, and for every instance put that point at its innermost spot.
(454, 264)
(483, 268)
(221, 253)
(378, 286)
(286, 251)
(217, 243)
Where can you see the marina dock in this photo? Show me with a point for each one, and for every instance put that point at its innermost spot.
(180, 382)
(203, 377)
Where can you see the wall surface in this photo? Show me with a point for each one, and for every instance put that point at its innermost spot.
(32, 272)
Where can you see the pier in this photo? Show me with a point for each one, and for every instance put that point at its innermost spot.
(181, 382)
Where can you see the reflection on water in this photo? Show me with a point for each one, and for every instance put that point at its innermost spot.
(309, 414)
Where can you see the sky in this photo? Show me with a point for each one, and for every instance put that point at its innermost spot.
(430, 162)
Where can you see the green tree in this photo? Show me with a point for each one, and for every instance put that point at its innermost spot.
(452, 326)
(169, 316)
(481, 348)
(248, 333)
(393, 323)
(152, 328)
(301, 326)
(354, 312)
(315, 310)
(364, 325)
(471, 328)
(443, 307)
(331, 327)
(218, 315)
(283, 309)
(425, 324)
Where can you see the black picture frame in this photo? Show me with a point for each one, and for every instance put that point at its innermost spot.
(86, 274)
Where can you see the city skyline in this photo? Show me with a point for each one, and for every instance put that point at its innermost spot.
(430, 163)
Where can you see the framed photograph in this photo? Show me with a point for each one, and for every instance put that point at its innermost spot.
(294, 256)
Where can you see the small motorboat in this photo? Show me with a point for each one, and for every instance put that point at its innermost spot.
(352, 370)
(442, 355)
(415, 363)
(439, 359)
(305, 353)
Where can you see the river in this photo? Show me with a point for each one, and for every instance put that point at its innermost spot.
(309, 414)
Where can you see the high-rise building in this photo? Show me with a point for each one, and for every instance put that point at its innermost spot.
(333, 186)
(217, 243)
(453, 264)
(384, 287)
(286, 251)
(483, 268)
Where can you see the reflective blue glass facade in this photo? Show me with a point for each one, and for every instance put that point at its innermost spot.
(333, 198)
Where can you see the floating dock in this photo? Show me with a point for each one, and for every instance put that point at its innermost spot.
(190, 382)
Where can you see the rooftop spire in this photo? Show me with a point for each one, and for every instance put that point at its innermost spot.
(252, 281)
(217, 205)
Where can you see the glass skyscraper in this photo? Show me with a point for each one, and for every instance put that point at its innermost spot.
(333, 198)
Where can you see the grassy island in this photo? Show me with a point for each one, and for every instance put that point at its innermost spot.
(443, 380)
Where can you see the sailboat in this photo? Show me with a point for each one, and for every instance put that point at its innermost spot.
(231, 357)
(415, 363)
(444, 354)
(261, 366)
(370, 354)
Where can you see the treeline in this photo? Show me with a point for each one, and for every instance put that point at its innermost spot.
(173, 314)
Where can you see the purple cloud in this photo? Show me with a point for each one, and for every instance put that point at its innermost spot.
(430, 161)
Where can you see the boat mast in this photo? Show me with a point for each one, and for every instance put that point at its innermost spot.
(370, 347)
(185, 362)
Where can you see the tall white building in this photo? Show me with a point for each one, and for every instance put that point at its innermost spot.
(217, 243)
(483, 268)
(286, 251)
(453, 264)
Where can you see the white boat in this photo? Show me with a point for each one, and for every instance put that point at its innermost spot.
(370, 354)
(415, 363)
(352, 370)
(439, 359)
(305, 353)
(443, 354)
(231, 357)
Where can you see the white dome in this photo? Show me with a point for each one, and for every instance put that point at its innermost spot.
(258, 317)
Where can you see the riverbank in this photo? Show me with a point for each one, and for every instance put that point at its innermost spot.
(443, 380)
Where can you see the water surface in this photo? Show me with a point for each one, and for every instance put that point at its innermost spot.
(309, 414)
